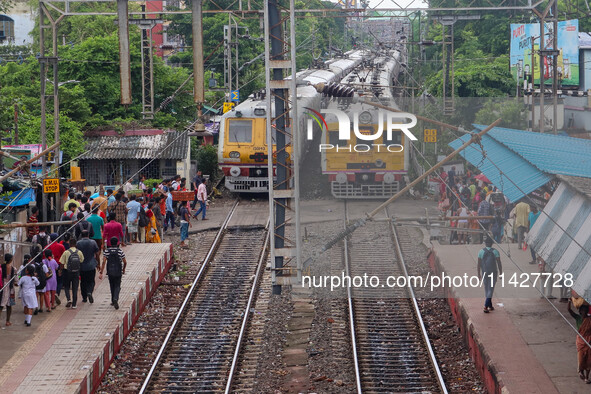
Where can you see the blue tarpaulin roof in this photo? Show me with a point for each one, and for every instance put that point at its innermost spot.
(519, 176)
(527, 158)
(24, 197)
(553, 154)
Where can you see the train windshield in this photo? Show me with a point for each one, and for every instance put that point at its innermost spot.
(240, 130)
(396, 138)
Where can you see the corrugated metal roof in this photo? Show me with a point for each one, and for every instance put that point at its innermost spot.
(163, 146)
(562, 236)
(584, 40)
(582, 185)
(553, 154)
(515, 168)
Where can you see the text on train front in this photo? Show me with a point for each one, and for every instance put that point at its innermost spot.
(364, 117)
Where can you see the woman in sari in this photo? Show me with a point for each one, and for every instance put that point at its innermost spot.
(583, 349)
(152, 235)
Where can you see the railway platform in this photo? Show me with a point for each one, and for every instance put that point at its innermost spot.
(69, 350)
(524, 345)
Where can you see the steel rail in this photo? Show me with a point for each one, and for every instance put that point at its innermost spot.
(206, 261)
(247, 313)
(351, 310)
(418, 315)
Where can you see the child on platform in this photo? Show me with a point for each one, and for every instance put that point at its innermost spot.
(28, 294)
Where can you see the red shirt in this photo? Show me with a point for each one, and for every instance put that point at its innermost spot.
(112, 229)
(57, 249)
(32, 231)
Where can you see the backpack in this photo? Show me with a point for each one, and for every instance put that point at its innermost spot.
(143, 218)
(114, 266)
(74, 262)
(42, 241)
(488, 261)
(40, 276)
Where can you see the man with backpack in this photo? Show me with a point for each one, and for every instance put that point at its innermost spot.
(68, 216)
(83, 225)
(72, 262)
(489, 265)
(91, 253)
(115, 261)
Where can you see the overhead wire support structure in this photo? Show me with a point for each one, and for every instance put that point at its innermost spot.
(284, 201)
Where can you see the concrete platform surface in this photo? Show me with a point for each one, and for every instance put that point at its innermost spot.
(69, 350)
(524, 345)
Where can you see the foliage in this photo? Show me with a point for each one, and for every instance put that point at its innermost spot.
(512, 112)
(152, 182)
(207, 160)
(5, 5)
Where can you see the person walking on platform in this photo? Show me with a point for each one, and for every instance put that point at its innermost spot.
(57, 249)
(152, 229)
(115, 261)
(72, 260)
(27, 284)
(51, 285)
(521, 222)
(112, 229)
(185, 223)
(169, 218)
(91, 253)
(583, 320)
(202, 198)
(7, 296)
(489, 265)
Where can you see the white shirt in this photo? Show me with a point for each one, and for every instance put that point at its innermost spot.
(202, 192)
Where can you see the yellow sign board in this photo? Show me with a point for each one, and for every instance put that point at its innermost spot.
(228, 106)
(51, 185)
(430, 135)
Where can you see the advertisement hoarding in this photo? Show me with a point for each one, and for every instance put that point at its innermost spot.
(522, 35)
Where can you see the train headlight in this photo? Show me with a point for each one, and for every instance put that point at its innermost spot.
(389, 178)
(365, 177)
(341, 178)
(379, 163)
(235, 155)
(235, 171)
(365, 117)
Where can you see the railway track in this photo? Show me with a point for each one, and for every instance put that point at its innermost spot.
(391, 348)
(201, 350)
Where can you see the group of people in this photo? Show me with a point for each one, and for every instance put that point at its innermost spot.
(467, 197)
(95, 226)
(60, 262)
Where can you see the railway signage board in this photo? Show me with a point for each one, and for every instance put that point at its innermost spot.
(235, 96)
(430, 135)
(228, 106)
(51, 185)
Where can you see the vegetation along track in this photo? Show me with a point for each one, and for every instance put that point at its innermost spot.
(202, 346)
(391, 348)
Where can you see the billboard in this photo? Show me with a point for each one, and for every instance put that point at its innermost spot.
(25, 152)
(525, 38)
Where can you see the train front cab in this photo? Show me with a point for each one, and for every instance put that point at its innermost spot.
(355, 172)
(245, 154)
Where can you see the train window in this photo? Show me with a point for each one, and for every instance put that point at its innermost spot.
(396, 137)
(240, 131)
(333, 139)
